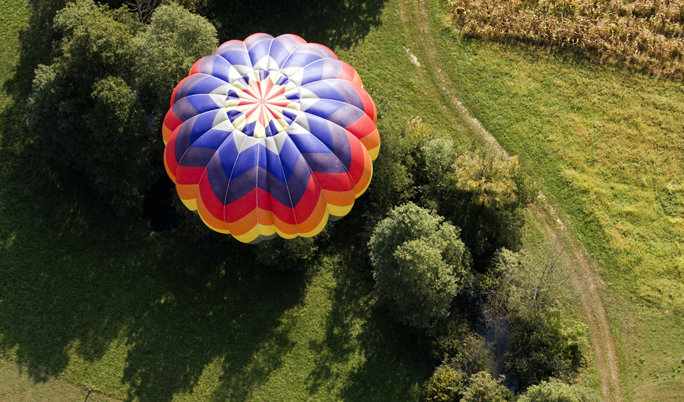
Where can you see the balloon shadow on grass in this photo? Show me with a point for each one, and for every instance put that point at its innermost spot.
(333, 23)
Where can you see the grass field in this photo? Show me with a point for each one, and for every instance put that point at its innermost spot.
(606, 145)
(100, 302)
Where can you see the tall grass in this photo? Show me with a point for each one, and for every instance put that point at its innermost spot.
(645, 35)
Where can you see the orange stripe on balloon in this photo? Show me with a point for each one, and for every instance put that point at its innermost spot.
(314, 219)
(372, 142)
(206, 202)
(244, 224)
(365, 179)
(186, 191)
(340, 198)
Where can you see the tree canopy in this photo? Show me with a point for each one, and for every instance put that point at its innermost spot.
(420, 264)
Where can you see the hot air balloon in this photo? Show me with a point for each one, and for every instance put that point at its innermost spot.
(270, 136)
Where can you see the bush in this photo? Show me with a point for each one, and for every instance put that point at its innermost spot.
(483, 387)
(484, 194)
(514, 285)
(542, 347)
(469, 354)
(393, 180)
(555, 390)
(445, 384)
(420, 264)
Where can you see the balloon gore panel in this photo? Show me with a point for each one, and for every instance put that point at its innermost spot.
(270, 136)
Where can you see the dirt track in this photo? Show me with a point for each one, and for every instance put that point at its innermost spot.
(415, 18)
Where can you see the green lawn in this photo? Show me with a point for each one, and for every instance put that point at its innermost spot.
(100, 301)
(17, 385)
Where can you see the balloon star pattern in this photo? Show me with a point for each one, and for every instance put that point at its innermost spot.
(270, 136)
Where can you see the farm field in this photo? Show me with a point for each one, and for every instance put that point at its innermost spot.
(102, 303)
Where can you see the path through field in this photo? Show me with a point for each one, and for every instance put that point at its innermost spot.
(415, 18)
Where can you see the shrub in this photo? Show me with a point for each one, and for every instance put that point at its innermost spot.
(483, 387)
(541, 346)
(445, 384)
(496, 193)
(514, 285)
(470, 355)
(420, 264)
(482, 193)
(555, 390)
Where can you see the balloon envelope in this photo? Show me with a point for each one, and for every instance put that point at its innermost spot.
(270, 136)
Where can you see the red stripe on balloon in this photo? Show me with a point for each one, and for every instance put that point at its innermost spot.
(189, 175)
(356, 149)
(212, 204)
(308, 201)
(240, 207)
(195, 67)
(171, 121)
(173, 94)
(170, 154)
(362, 127)
(334, 181)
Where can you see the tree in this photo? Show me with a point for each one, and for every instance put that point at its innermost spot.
(483, 387)
(541, 346)
(484, 193)
(445, 384)
(165, 51)
(516, 285)
(86, 106)
(554, 390)
(83, 107)
(420, 264)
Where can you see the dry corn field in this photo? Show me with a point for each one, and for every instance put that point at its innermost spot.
(643, 35)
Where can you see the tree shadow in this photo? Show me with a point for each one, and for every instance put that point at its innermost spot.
(76, 279)
(334, 23)
(35, 48)
(395, 361)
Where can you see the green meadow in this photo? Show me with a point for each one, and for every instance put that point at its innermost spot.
(89, 300)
